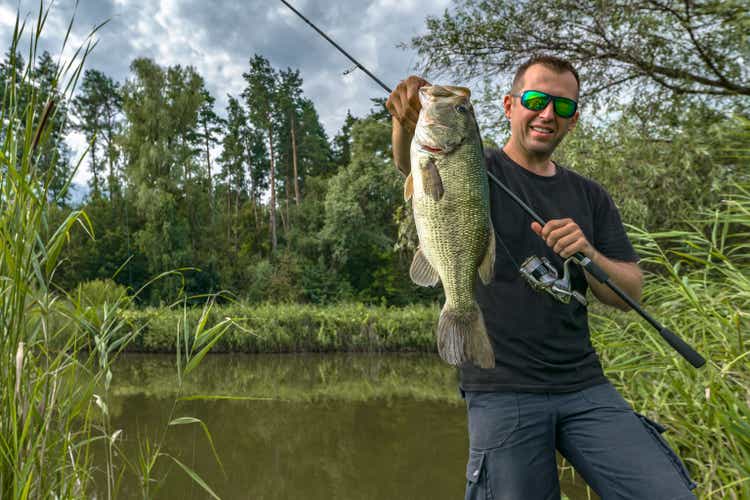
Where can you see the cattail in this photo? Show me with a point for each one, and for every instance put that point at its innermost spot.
(19, 368)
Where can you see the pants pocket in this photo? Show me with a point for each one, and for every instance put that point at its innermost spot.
(477, 486)
(656, 430)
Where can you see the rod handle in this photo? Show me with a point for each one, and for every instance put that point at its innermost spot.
(682, 348)
(679, 345)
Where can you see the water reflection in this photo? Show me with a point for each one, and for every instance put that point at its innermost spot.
(334, 426)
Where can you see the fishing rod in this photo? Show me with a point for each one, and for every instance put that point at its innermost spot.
(679, 345)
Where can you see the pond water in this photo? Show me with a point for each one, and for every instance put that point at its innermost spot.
(327, 426)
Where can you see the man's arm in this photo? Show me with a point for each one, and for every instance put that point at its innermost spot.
(404, 106)
(626, 275)
(401, 141)
(566, 238)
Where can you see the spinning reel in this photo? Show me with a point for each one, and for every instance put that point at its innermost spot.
(541, 275)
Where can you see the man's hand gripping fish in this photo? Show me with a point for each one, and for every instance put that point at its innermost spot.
(450, 196)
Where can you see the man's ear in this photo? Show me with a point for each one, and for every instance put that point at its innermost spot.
(507, 102)
(573, 121)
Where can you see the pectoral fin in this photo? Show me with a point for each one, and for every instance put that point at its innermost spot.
(408, 187)
(421, 272)
(487, 267)
(431, 181)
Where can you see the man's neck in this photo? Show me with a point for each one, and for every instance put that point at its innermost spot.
(539, 165)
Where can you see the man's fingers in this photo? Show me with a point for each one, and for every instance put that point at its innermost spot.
(403, 103)
(567, 241)
(394, 102)
(552, 225)
(561, 232)
(410, 111)
(563, 236)
(413, 85)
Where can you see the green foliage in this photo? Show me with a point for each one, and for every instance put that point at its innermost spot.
(296, 328)
(43, 412)
(56, 347)
(661, 169)
(95, 109)
(700, 289)
(99, 292)
(675, 47)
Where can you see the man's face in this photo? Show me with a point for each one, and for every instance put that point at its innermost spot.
(537, 133)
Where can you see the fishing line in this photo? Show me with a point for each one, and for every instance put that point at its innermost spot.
(673, 340)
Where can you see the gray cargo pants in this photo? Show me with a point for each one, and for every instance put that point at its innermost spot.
(620, 453)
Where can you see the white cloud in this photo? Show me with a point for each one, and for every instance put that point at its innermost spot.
(7, 17)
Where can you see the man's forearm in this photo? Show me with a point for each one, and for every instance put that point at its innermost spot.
(626, 275)
(401, 141)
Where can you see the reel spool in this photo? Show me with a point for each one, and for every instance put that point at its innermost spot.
(541, 275)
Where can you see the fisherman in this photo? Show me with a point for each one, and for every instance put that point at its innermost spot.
(547, 390)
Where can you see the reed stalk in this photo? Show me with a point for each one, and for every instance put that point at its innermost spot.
(699, 285)
(56, 348)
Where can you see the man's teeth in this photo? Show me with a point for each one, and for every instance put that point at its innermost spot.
(542, 129)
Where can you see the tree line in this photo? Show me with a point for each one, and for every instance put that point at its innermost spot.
(258, 202)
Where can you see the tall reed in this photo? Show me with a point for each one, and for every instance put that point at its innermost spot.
(56, 348)
(699, 288)
(40, 411)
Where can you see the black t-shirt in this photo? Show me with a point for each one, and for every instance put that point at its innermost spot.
(540, 343)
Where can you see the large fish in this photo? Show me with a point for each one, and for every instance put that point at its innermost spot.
(450, 197)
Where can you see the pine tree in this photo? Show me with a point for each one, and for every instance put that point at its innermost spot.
(260, 97)
(96, 110)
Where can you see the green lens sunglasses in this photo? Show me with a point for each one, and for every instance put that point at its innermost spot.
(536, 100)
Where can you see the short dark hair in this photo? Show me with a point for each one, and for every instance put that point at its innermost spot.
(554, 63)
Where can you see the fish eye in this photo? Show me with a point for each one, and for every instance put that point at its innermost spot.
(461, 108)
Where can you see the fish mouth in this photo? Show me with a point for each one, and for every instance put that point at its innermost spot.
(431, 149)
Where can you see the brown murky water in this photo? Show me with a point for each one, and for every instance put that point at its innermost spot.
(326, 426)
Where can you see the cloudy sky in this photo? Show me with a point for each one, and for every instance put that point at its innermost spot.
(218, 37)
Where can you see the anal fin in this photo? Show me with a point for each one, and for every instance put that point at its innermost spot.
(421, 272)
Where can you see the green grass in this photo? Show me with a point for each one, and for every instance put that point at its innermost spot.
(700, 289)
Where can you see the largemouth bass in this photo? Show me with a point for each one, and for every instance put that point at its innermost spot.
(450, 197)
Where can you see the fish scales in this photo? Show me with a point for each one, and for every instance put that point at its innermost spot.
(450, 198)
(449, 227)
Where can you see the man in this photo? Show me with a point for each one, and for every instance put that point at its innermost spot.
(547, 391)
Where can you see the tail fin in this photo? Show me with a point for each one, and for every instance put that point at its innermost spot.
(463, 337)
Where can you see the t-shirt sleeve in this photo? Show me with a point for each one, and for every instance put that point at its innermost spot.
(609, 234)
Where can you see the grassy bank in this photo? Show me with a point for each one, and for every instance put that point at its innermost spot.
(272, 328)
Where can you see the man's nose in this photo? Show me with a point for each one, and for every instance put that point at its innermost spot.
(548, 113)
